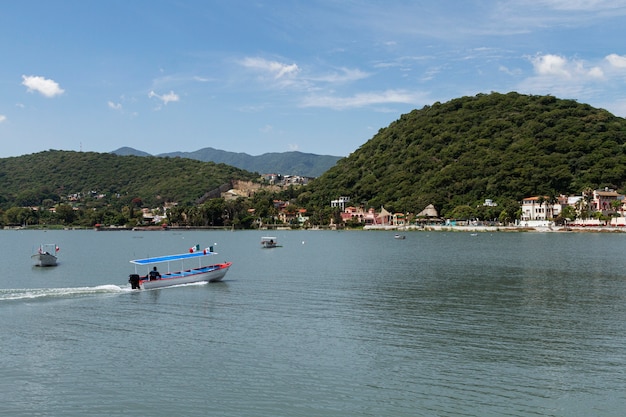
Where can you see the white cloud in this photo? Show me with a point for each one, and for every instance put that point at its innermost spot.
(114, 106)
(276, 69)
(618, 61)
(523, 16)
(362, 100)
(509, 71)
(344, 75)
(567, 77)
(2, 118)
(582, 5)
(44, 86)
(165, 98)
(596, 72)
(550, 65)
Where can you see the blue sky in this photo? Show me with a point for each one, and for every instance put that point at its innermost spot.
(257, 76)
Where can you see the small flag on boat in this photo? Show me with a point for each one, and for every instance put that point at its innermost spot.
(56, 248)
(194, 249)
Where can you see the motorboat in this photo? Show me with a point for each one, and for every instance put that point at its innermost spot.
(177, 270)
(45, 255)
(268, 242)
(398, 236)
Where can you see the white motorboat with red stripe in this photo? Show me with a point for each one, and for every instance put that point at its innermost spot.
(182, 273)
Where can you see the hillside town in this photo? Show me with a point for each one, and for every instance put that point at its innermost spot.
(592, 209)
(600, 209)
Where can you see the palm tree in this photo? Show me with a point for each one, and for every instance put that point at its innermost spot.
(616, 205)
(552, 200)
(540, 200)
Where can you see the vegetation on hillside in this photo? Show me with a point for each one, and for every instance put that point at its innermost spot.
(499, 146)
(29, 180)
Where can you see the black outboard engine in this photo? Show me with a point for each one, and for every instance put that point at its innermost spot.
(134, 281)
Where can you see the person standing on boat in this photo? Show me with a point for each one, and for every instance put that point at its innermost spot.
(154, 274)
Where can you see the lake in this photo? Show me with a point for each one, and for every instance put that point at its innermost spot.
(330, 324)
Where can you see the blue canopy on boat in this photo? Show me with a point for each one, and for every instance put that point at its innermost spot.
(168, 258)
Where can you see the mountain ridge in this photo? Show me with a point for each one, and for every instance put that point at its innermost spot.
(284, 163)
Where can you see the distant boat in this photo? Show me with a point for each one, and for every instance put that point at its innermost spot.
(398, 236)
(268, 242)
(153, 279)
(45, 255)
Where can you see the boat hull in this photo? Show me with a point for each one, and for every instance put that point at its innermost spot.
(210, 273)
(44, 259)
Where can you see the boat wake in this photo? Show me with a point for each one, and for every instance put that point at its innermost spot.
(51, 293)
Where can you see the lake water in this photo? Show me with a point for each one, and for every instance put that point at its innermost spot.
(331, 324)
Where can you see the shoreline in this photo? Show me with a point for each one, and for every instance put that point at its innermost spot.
(518, 229)
(431, 228)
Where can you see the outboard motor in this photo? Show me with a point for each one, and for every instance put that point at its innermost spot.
(134, 281)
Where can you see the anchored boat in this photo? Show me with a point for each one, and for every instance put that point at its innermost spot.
(45, 255)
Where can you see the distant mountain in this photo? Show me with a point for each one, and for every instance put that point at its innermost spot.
(284, 163)
(126, 151)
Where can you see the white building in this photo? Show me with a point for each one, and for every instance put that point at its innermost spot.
(341, 202)
(538, 211)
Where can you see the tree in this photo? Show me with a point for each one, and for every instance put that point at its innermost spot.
(213, 212)
(464, 212)
(616, 205)
(65, 213)
(567, 214)
(18, 216)
(504, 217)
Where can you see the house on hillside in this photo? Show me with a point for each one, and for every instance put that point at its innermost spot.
(354, 214)
(399, 219)
(293, 216)
(539, 211)
(341, 202)
(602, 201)
(369, 218)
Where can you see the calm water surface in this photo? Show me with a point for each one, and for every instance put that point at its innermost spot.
(330, 324)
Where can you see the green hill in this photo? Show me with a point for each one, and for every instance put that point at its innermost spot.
(28, 180)
(498, 146)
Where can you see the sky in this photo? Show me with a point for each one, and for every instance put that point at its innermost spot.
(259, 76)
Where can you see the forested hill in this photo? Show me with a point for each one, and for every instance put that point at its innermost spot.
(499, 146)
(29, 179)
